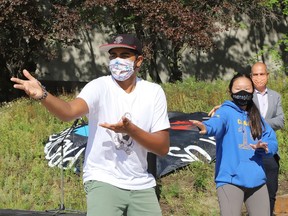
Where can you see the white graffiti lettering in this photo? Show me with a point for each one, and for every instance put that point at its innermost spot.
(53, 152)
(190, 157)
(210, 140)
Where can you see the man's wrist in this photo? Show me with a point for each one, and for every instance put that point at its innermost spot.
(44, 92)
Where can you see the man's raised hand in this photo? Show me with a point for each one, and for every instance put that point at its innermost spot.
(31, 86)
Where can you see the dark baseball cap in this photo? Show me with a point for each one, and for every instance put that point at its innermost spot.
(123, 41)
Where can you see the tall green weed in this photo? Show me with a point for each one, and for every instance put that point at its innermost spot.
(27, 182)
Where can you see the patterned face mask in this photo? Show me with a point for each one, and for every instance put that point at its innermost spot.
(121, 69)
(242, 98)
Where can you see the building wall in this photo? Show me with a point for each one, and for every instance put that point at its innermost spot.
(235, 50)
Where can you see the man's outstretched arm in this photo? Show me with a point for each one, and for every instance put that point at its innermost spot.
(65, 111)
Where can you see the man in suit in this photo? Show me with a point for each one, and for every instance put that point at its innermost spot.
(269, 105)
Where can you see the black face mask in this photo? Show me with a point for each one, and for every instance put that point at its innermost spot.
(242, 98)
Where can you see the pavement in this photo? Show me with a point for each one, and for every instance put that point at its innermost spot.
(281, 209)
(281, 205)
(14, 212)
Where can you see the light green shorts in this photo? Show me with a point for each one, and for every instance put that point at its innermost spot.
(107, 200)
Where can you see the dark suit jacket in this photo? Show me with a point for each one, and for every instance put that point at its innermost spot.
(275, 115)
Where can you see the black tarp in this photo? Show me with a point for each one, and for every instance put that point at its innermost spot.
(186, 146)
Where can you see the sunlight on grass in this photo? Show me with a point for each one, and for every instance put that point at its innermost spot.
(27, 182)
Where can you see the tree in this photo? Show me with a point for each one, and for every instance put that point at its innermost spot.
(280, 7)
(168, 27)
(32, 28)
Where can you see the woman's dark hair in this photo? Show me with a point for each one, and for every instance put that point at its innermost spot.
(255, 120)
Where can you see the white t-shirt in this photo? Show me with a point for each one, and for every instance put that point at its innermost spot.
(112, 157)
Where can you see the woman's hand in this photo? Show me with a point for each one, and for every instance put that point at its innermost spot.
(260, 145)
(200, 125)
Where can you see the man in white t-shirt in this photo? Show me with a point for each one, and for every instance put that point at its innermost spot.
(127, 119)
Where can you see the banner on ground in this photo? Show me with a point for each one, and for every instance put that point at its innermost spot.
(186, 146)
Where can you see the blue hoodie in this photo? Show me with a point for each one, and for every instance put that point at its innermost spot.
(236, 162)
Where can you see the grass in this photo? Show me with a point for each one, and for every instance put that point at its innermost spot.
(26, 181)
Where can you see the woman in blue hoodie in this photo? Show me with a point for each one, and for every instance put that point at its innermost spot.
(242, 139)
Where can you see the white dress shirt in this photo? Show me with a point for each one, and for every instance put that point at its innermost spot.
(263, 102)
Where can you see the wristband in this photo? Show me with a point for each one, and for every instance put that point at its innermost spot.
(45, 93)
